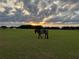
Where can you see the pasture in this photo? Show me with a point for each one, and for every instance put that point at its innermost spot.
(23, 44)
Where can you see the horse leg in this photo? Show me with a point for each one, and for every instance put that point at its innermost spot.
(46, 36)
(39, 36)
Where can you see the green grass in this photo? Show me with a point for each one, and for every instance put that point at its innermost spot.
(23, 44)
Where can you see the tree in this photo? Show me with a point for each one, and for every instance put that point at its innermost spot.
(3, 27)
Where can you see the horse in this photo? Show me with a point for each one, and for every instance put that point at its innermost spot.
(42, 33)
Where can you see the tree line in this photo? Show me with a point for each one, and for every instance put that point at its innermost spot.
(34, 27)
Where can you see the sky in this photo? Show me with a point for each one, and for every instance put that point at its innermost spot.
(39, 10)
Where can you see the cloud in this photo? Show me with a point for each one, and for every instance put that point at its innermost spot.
(41, 10)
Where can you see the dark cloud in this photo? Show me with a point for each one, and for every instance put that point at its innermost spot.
(74, 1)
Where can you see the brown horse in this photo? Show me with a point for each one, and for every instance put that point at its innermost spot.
(42, 33)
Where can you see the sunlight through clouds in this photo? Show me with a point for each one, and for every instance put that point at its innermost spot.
(2, 9)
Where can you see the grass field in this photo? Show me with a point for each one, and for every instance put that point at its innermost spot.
(23, 44)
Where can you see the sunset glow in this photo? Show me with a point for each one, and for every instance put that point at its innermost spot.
(38, 23)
